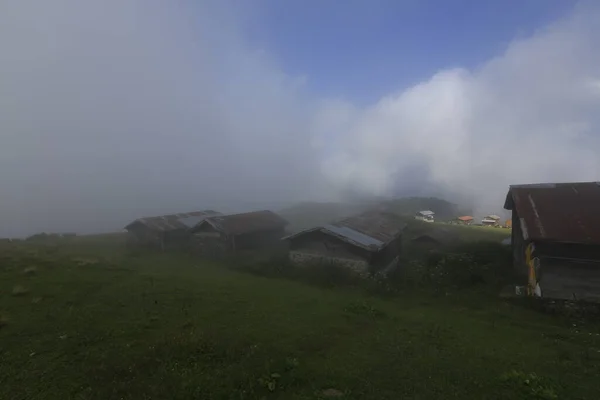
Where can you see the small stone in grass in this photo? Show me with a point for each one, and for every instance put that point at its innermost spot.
(332, 393)
(19, 290)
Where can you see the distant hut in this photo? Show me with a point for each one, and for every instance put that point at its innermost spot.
(227, 234)
(508, 223)
(368, 242)
(556, 238)
(465, 220)
(436, 238)
(166, 230)
(491, 220)
(427, 216)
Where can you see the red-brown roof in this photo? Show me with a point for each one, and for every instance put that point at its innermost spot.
(237, 224)
(466, 218)
(561, 212)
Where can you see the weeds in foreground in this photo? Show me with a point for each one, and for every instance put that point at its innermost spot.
(529, 386)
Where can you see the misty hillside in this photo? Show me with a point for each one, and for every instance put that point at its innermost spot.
(444, 210)
(310, 214)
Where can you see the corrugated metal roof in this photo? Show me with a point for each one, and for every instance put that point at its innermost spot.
(371, 230)
(466, 218)
(171, 222)
(562, 212)
(493, 216)
(379, 225)
(353, 235)
(192, 221)
(426, 212)
(237, 224)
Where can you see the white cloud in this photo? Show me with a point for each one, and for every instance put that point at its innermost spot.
(119, 108)
(115, 109)
(526, 116)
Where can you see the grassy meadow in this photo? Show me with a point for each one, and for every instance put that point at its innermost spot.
(87, 318)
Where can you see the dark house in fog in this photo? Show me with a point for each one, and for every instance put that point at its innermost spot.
(435, 239)
(223, 234)
(368, 242)
(166, 230)
(556, 238)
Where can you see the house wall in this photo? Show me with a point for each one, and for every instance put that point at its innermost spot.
(259, 240)
(208, 242)
(518, 244)
(316, 247)
(139, 234)
(386, 256)
(568, 251)
(568, 280)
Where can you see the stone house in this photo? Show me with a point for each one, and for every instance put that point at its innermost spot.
(436, 238)
(427, 216)
(366, 243)
(166, 230)
(228, 234)
(491, 220)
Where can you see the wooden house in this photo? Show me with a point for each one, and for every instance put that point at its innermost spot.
(491, 220)
(227, 234)
(435, 239)
(556, 238)
(366, 243)
(427, 216)
(166, 230)
(465, 220)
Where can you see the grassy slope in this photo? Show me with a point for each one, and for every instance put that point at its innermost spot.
(167, 327)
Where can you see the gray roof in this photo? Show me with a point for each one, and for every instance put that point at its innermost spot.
(237, 224)
(173, 222)
(353, 235)
(426, 212)
(192, 221)
(371, 230)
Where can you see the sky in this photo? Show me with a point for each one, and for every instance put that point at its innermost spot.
(116, 109)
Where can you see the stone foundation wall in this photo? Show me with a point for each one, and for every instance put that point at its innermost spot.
(299, 257)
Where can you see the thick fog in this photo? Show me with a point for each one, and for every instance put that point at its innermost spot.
(116, 109)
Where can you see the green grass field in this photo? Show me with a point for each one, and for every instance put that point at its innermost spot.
(87, 319)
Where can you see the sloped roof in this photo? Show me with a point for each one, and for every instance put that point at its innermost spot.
(171, 222)
(466, 218)
(426, 212)
(371, 230)
(561, 212)
(237, 224)
(493, 216)
(440, 235)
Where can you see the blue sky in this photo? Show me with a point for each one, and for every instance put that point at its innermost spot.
(363, 49)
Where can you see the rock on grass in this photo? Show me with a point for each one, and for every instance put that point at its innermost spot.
(3, 320)
(19, 290)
